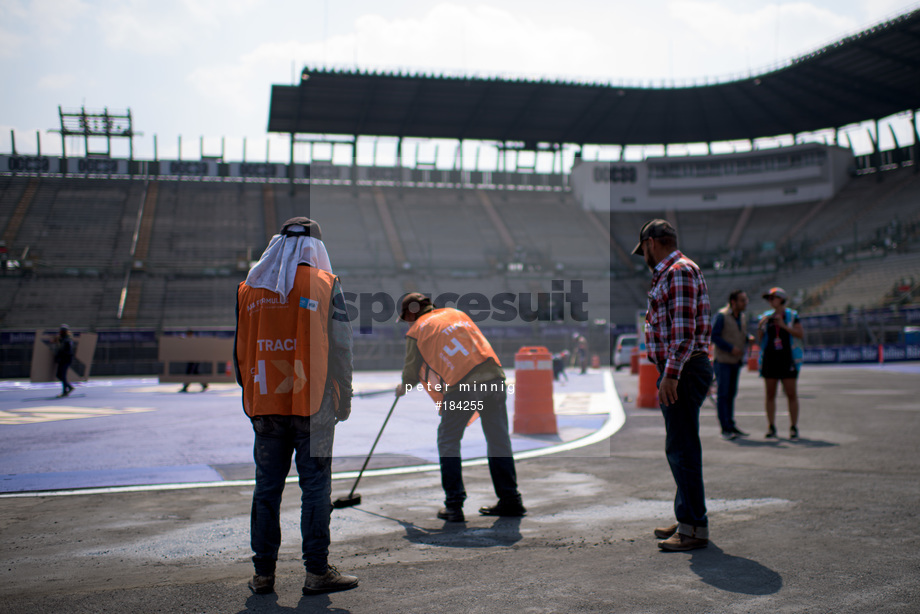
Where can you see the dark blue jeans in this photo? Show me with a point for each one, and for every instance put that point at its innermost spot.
(494, 418)
(62, 368)
(277, 438)
(682, 446)
(727, 380)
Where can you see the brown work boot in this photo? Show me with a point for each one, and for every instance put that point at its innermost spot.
(513, 509)
(681, 543)
(261, 585)
(328, 582)
(666, 532)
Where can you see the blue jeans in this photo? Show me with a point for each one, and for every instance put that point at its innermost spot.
(727, 379)
(277, 438)
(62, 368)
(683, 448)
(494, 418)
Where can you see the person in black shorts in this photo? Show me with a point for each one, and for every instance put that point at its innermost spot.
(779, 334)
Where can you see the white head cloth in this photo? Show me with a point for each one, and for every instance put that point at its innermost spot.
(277, 267)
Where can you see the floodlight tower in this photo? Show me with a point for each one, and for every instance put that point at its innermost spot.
(96, 125)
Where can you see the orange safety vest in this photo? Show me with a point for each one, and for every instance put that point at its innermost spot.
(451, 345)
(282, 349)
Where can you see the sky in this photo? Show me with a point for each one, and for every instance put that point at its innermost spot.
(203, 69)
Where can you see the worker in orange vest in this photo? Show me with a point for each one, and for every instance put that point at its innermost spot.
(448, 356)
(293, 358)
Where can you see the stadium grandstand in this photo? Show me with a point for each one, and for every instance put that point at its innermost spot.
(136, 249)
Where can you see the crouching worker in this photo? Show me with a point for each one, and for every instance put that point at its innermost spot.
(448, 354)
(293, 358)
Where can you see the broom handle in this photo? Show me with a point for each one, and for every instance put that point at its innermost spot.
(371, 453)
(372, 393)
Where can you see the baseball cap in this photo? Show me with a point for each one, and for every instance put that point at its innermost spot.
(297, 226)
(777, 292)
(414, 302)
(654, 229)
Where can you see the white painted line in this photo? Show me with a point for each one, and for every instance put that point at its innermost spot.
(614, 423)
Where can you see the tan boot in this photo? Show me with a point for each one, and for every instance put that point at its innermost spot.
(328, 582)
(680, 543)
(666, 532)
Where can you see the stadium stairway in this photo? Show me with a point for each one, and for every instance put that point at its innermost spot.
(735, 237)
(23, 203)
(11, 191)
(389, 228)
(497, 222)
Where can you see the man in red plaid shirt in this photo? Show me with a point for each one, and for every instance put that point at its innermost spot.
(677, 332)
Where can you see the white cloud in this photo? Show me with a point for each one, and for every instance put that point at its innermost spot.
(173, 26)
(759, 37)
(209, 10)
(12, 37)
(37, 22)
(880, 10)
(243, 86)
(129, 28)
(471, 40)
(59, 81)
(53, 19)
(10, 43)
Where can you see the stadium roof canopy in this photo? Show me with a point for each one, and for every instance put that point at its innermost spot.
(870, 75)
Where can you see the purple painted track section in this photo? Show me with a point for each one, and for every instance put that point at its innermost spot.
(135, 431)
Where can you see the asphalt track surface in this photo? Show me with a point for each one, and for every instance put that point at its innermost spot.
(824, 524)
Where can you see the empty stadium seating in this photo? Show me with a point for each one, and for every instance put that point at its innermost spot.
(396, 239)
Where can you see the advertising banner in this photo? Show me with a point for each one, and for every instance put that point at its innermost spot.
(190, 168)
(96, 166)
(29, 164)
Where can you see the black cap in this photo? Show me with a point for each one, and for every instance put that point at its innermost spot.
(307, 227)
(414, 302)
(654, 229)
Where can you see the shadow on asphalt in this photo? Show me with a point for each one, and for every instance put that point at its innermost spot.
(307, 605)
(733, 573)
(503, 532)
(801, 442)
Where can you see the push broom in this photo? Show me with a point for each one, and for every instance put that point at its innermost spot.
(352, 498)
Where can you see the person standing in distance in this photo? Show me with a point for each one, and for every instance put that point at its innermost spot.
(448, 354)
(677, 334)
(293, 358)
(63, 357)
(730, 336)
(780, 335)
